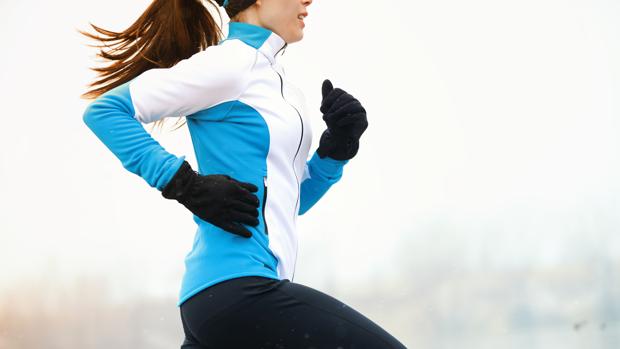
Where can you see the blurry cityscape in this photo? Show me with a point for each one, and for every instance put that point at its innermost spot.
(437, 305)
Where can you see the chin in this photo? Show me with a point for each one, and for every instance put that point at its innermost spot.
(296, 39)
(299, 37)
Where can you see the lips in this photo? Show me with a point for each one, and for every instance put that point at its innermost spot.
(304, 14)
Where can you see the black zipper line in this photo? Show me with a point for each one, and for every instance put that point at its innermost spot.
(265, 203)
(294, 158)
(300, 139)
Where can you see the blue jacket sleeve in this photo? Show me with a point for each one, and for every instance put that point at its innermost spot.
(207, 78)
(111, 118)
(319, 176)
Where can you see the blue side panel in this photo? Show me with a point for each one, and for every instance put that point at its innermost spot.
(110, 117)
(323, 174)
(231, 138)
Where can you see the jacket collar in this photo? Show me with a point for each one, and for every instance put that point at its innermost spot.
(264, 40)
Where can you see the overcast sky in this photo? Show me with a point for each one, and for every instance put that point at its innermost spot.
(492, 142)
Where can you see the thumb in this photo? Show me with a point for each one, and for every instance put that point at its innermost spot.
(326, 88)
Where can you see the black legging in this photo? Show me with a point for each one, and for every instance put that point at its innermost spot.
(255, 312)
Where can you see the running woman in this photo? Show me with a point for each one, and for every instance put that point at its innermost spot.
(251, 137)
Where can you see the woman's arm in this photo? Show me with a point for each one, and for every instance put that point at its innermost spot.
(208, 78)
(111, 118)
(346, 121)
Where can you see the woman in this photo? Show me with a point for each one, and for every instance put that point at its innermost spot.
(252, 141)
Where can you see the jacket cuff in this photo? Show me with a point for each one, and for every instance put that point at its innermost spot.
(327, 167)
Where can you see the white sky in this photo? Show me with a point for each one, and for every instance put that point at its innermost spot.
(492, 143)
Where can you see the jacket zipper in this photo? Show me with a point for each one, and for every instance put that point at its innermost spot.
(300, 138)
(294, 158)
(264, 203)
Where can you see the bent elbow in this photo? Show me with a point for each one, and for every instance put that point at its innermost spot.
(89, 115)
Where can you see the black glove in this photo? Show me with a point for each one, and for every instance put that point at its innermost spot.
(346, 122)
(217, 199)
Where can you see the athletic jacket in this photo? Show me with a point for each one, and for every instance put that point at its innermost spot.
(245, 120)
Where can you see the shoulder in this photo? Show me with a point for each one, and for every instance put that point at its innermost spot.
(223, 66)
(230, 58)
(212, 76)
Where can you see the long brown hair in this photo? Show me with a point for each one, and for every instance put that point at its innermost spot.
(167, 32)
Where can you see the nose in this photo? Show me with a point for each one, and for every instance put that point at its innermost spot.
(307, 2)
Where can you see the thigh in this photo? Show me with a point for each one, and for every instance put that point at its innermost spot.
(221, 298)
(291, 315)
(346, 327)
(189, 342)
